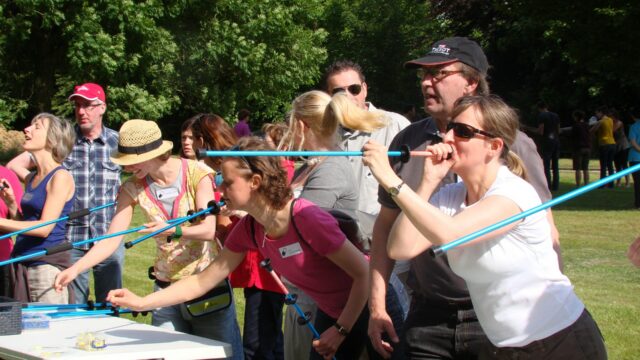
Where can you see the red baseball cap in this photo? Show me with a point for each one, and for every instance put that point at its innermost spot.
(89, 91)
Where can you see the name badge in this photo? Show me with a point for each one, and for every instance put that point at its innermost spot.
(290, 250)
(112, 175)
(170, 193)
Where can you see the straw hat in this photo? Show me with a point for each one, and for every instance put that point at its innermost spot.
(140, 140)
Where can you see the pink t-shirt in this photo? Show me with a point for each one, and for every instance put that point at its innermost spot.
(6, 245)
(302, 261)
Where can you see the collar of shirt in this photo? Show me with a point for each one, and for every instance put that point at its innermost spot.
(430, 127)
(347, 134)
(80, 138)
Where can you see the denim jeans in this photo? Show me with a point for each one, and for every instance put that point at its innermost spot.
(581, 340)
(262, 334)
(221, 325)
(107, 276)
(442, 331)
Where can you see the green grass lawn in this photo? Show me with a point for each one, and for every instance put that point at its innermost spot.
(595, 231)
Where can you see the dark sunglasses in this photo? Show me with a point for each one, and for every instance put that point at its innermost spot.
(466, 131)
(246, 160)
(353, 89)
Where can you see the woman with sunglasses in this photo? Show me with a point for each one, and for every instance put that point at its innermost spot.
(165, 187)
(49, 193)
(523, 302)
(321, 261)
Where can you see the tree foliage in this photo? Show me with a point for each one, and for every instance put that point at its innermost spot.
(166, 60)
(381, 36)
(574, 54)
(157, 59)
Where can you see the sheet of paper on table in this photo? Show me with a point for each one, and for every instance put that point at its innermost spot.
(125, 340)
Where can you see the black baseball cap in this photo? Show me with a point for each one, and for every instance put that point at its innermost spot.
(450, 50)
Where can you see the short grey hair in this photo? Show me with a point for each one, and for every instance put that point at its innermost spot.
(471, 73)
(60, 136)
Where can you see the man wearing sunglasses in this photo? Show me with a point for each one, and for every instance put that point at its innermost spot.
(441, 323)
(347, 76)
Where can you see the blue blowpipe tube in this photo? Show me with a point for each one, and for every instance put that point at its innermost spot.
(404, 153)
(439, 250)
(68, 246)
(73, 215)
(250, 153)
(58, 307)
(290, 299)
(213, 208)
(91, 313)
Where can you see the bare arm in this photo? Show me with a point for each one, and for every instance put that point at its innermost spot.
(555, 238)
(380, 268)
(186, 289)
(349, 259)
(21, 165)
(101, 250)
(634, 252)
(9, 198)
(421, 224)
(59, 190)
(205, 229)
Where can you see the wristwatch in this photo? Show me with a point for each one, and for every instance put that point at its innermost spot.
(395, 190)
(341, 329)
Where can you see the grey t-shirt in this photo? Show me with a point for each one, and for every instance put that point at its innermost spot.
(166, 195)
(331, 184)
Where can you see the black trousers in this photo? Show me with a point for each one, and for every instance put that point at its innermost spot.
(581, 340)
(262, 336)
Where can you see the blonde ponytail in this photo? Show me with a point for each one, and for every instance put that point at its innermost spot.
(515, 164)
(351, 116)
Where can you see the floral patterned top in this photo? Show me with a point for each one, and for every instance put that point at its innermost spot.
(183, 257)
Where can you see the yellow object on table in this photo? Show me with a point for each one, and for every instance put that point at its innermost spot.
(90, 341)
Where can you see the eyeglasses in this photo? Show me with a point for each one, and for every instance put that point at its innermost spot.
(246, 160)
(434, 73)
(465, 131)
(353, 89)
(87, 107)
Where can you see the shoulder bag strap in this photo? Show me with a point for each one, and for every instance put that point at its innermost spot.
(293, 222)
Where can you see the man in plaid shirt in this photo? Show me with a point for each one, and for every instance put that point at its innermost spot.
(97, 182)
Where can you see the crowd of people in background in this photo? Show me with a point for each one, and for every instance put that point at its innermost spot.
(501, 296)
(607, 132)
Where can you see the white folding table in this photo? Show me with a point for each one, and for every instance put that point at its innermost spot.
(125, 339)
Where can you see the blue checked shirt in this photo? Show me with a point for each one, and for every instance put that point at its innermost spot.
(97, 183)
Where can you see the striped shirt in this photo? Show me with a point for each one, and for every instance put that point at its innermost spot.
(97, 181)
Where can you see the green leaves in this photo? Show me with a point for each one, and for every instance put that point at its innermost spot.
(156, 59)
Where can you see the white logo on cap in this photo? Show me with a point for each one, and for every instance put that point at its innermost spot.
(83, 88)
(442, 49)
